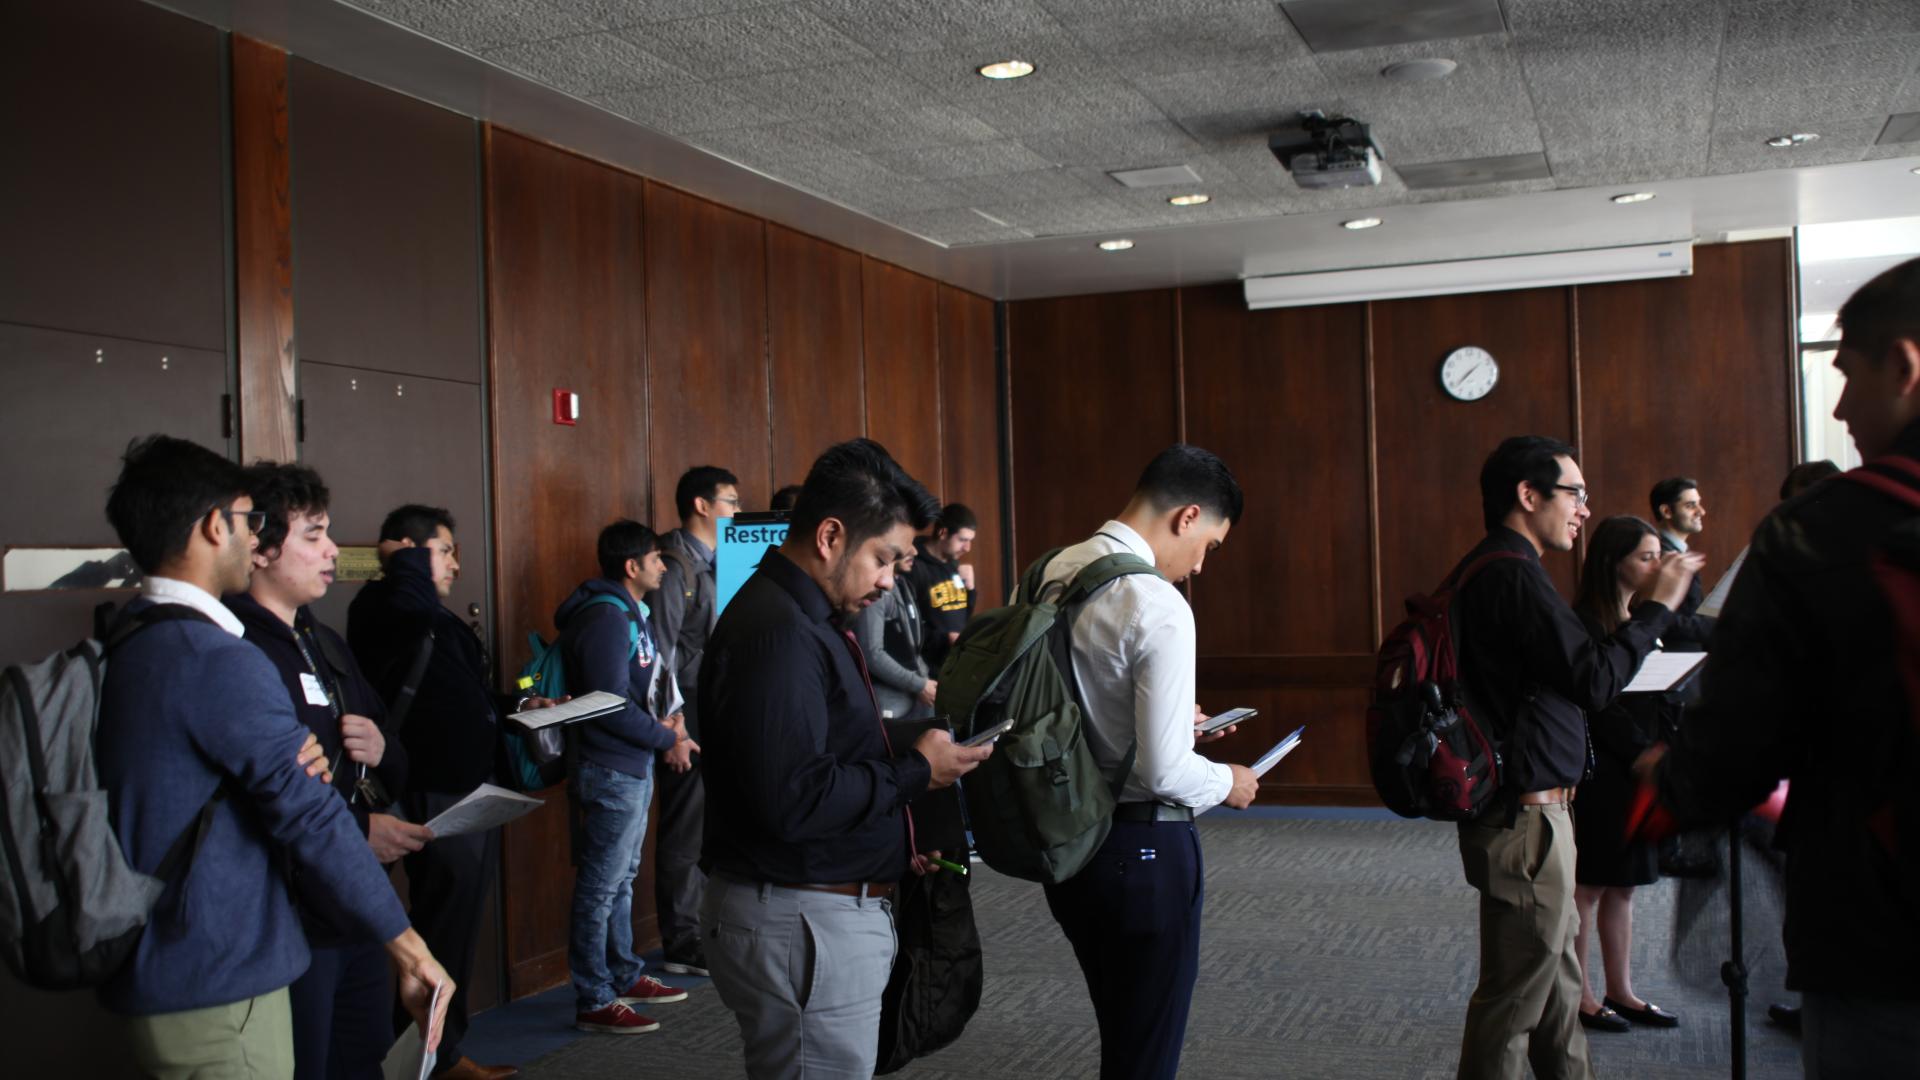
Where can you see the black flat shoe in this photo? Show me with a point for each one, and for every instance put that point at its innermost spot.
(1652, 1016)
(1785, 1016)
(1604, 1020)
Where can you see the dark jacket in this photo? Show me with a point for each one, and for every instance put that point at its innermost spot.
(187, 709)
(802, 785)
(348, 689)
(597, 644)
(452, 733)
(1802, 684)
(683, 614)
(1532, 670)
(944, 601)
(1690, 631)
(889, 635)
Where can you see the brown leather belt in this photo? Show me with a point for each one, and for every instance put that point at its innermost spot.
(881, 889)
(1559, 796)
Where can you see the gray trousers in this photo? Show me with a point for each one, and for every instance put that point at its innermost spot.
(802, 972)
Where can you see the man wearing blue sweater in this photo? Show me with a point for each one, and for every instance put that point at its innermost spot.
(190, 713)
(607, 645)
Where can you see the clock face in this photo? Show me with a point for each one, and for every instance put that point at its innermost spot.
(1469, 373)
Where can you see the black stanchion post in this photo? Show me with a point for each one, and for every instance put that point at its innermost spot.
(1734, 971)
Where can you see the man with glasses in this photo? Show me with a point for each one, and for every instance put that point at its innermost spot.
(451, 732)
(683, 613)
(198, 745)
(1533, 674)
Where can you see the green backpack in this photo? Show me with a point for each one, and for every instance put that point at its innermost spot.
(1040, 806)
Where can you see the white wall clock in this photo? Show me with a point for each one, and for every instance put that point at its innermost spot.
(1469, 373)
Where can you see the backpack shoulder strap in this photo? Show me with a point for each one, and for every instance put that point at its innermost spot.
(1035, 578)
(1472, 570)
(1102, 570)
(130, 623)
(410, 685)
(633, 625)
(1893, 475)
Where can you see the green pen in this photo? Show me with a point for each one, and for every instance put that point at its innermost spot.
(945, 865)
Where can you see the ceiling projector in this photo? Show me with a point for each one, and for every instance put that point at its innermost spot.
(1323, 152)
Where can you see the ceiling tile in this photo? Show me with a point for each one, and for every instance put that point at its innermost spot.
(1089, 104)
(916, 26)
(1333, 25)
(1118, 146)
(588, 64)
(1767, 24)
(1901, 128)
(687, 108)
(614, 14)
(956, 226)
(480, 24)
(1236, 101)
(1882, 59)
(1746, 150)
(1800, 108)
(1531, 16)
(1589, 167)
(1042, 185)
(1473, 171)
(953, 73)
(908, 129)
(1058, 216)
(1153, 38)
(747, 42)
(1406, 144)
(834, 90)
(973, 159)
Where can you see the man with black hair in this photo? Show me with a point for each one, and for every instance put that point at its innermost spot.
(1810, 681)
(1679, 516)
(451, 735)
(807, 829)
(942, 584)
(683, 611)
(1133, 914)
(196, 737)
(608, 645)
(1533, 672)
(785, 498)
(343, 1005)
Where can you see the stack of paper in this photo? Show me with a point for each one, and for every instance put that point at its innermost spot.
(1663, 670)
(486, 807)
(1280, 750)
(584, 707)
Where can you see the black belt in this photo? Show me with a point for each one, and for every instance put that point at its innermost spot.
(1151, 811)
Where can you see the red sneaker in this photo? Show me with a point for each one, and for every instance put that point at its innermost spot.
(615, 1019)
(648, 990)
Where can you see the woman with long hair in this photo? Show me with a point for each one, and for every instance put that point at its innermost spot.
(1623, 558)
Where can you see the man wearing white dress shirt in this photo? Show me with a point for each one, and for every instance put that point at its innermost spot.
(1133, 915)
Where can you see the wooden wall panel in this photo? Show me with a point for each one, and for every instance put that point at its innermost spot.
(263, 250)
(1281, 396)
(1094, 386)
(970, 430)
(566, 303)
(901, 310)
(386, 212)
(816, 377)
(706, 347)
(1430, 447)
(1687, 377)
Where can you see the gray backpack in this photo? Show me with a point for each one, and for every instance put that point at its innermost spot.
(71, 908)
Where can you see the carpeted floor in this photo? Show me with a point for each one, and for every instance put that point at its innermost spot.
(1332, 948)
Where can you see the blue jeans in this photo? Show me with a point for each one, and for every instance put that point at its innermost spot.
(600, 944)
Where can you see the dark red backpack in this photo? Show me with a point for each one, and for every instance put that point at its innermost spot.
(1428, 755)
(1895, 822)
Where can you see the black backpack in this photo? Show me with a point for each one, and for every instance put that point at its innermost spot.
(1428, 755)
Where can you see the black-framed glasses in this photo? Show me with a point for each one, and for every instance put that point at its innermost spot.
(1580, 495)
(256, 519)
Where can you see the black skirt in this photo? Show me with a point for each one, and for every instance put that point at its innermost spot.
(1600, 830)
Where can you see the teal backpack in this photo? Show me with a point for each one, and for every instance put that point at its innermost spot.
(537, 760)
(1040, 806)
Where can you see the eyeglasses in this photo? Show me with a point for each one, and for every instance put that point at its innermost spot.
(256, 519)
(1580, 495)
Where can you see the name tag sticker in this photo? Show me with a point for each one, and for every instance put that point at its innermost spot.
(316, 693)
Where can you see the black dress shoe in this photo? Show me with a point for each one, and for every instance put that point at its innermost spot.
(1604, 1020)
(1785, 1016)
(1652, 1015)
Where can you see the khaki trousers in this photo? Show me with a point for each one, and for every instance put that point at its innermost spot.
(244, 1040)
(1526, 1009)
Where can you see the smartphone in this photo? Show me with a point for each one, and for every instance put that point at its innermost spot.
(982, 738)
(1225, 720)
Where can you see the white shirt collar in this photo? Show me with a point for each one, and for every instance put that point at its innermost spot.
(162, 590)
(1128, 539)
(1675, 539)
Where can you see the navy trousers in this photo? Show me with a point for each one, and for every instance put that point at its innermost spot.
(1133, 918)
(342, 1014)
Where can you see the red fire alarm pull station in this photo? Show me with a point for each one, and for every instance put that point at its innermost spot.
(566, 407)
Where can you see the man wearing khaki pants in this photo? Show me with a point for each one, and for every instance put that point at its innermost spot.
(1532, 673)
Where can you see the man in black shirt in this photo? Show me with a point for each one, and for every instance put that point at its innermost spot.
(942, 584)
(807, 828)
(1532, 673)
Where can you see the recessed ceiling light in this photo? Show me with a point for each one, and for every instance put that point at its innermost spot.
(1798, 138)
(1115, 245)
(1194, 199)
(1634, 197)
(1006, 69)
(1361, 223)
(1425, 70)
(1915, 170)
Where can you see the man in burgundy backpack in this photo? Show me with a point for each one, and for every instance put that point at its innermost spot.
(1533, 673)
(1813, 678)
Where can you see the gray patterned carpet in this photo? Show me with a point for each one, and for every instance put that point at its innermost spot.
(1332, 948)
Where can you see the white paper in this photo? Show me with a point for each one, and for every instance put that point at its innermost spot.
(1717, 599)
(1280, 750)
(486, 807)
(1662, 669)
(409, 1058)
(584, 707)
